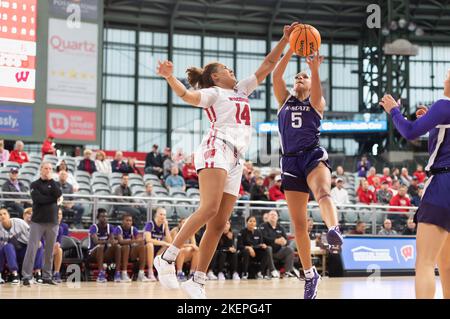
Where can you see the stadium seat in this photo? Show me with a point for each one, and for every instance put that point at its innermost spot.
(11, 164)
(349, 215)
(51, 158)
(101, 187)
(193, 192)
(116, 175)
(151, 177)
(177, 193)
(72, 252)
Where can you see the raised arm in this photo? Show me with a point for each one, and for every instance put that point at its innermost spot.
(316, 98)
(279, 85)
(272, 58)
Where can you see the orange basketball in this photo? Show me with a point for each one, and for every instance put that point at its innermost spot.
(304, 40)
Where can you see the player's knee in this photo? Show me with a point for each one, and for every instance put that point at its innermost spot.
(209, 210)
(322, 193)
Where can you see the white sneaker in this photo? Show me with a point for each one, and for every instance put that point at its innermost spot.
(142, 278)
(151, 277)
(221, 276)
(166, 273)
(236, 277)
(211, 275)
(275, 274)
(125, 278)
(259, 276)
(193, 289)
(1, 280)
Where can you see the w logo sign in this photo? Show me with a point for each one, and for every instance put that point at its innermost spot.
(407, 252)
(22, 76)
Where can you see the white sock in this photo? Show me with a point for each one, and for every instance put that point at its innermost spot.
(309, 273)
(171, 253)
(141, 272)
(124, 273)
(199, 277)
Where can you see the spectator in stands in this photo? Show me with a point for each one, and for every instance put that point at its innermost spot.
(269, 180)
(340, 173)
(410, 229)
(395, 187)
(251, 246)
(189, 252)
(339, 194)
(387, 229)
(365, 195)
(102, 164)
(18, 155)
(401, 199)
(132, 248)
(363, 166)
(405, 178)
(258, 191)
(376, 184)
(48, 147)
(154, 162)
(136, 211)
(69, 206)
(275, 192)
(179, 157)
(174, 181)
(226, 252)
(395, 174)
(360, 228)
(386, 176)
(333, 181)
(420, 174)
(118, 165)
(371, 174)
(275, 236)
(167, 165)
(384, 195)
(243, 195)
(86, 164)
(62, 166)
(190, 173)
(413, 189)
(4, 153)
(248, 179)
(157, 236)
(132, 168)
(265, 218)
(13, 185)
(415, 201)
(103, 247)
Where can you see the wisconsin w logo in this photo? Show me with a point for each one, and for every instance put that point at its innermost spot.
(22, 76)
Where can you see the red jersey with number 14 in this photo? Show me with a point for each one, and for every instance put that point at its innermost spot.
(229, 113)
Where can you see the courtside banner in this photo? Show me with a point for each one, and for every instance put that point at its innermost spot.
(15, 120)
(382, 253)
(71, 125)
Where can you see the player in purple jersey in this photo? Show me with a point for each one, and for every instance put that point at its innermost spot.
(132, 247)
(103, 247)
(304, 163)
(433, 215)
(157, 238)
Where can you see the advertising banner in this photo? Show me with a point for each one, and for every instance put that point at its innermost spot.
(15, 120)
(71, 125)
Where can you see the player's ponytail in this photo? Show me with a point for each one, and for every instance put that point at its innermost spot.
(201, 78)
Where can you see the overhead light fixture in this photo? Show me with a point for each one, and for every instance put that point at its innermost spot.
(419, 32)
(385, 31)
(412, 26)
(402, 23)
(393, 25)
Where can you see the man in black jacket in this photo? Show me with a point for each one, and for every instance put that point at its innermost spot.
(45, 194)
(275, 236)
(14, 185)
(154, 162)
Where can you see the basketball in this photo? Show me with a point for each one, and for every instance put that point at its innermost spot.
(305, 40)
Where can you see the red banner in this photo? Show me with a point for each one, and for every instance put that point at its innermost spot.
(71, 125)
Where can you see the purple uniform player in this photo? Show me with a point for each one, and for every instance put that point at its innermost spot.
(304, 164)
(433, 214)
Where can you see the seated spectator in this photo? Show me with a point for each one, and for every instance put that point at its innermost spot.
(360, 228)
(387, 229)
(62, 166)
(363, 166)
(86, 164)
(103, 248)
(410, 229)
(333, 181)
(102, 164)
(118, 165)
(178, 158)
(174, 181)
(371, 174)
(415, 201)
(154, 162)
(365, 195)
(251, 247)
(265, 219)
(132, 248)
(190, 173)
(395, 174)
(13, 185)
(48, 147)
(269, 181)
(413, 189)
(395, 187)
(274, 236)
(157, 236)
(139, 213)
(401, 199)
(339, 194)
(68, 206)
(226, 252)
(386, 176)
(132, 168)
(168, 163)
(258, 191)
(376, 184)
(384, 195)
(405, 178)
(4, 153)
(275, 192)
(189, 252)
(420, 174)
(18, 155)
(248, 179)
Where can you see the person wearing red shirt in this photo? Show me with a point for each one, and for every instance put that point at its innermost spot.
(365, 195)
(18, 155)
(190, 173)
(386, 176)
(401, 199)
(275, 192)
(47, 146)
(371, 174)
(420, 174)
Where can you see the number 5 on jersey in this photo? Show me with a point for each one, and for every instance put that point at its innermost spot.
(243, 114)
(296, 118)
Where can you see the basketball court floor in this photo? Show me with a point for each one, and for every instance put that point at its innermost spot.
(330, 288)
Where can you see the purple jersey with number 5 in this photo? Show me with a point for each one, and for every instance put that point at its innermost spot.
(298, 125)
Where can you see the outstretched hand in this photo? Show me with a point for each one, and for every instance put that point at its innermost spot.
(287, 30)
(164, 68)
(314, 61)
(388, 103)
